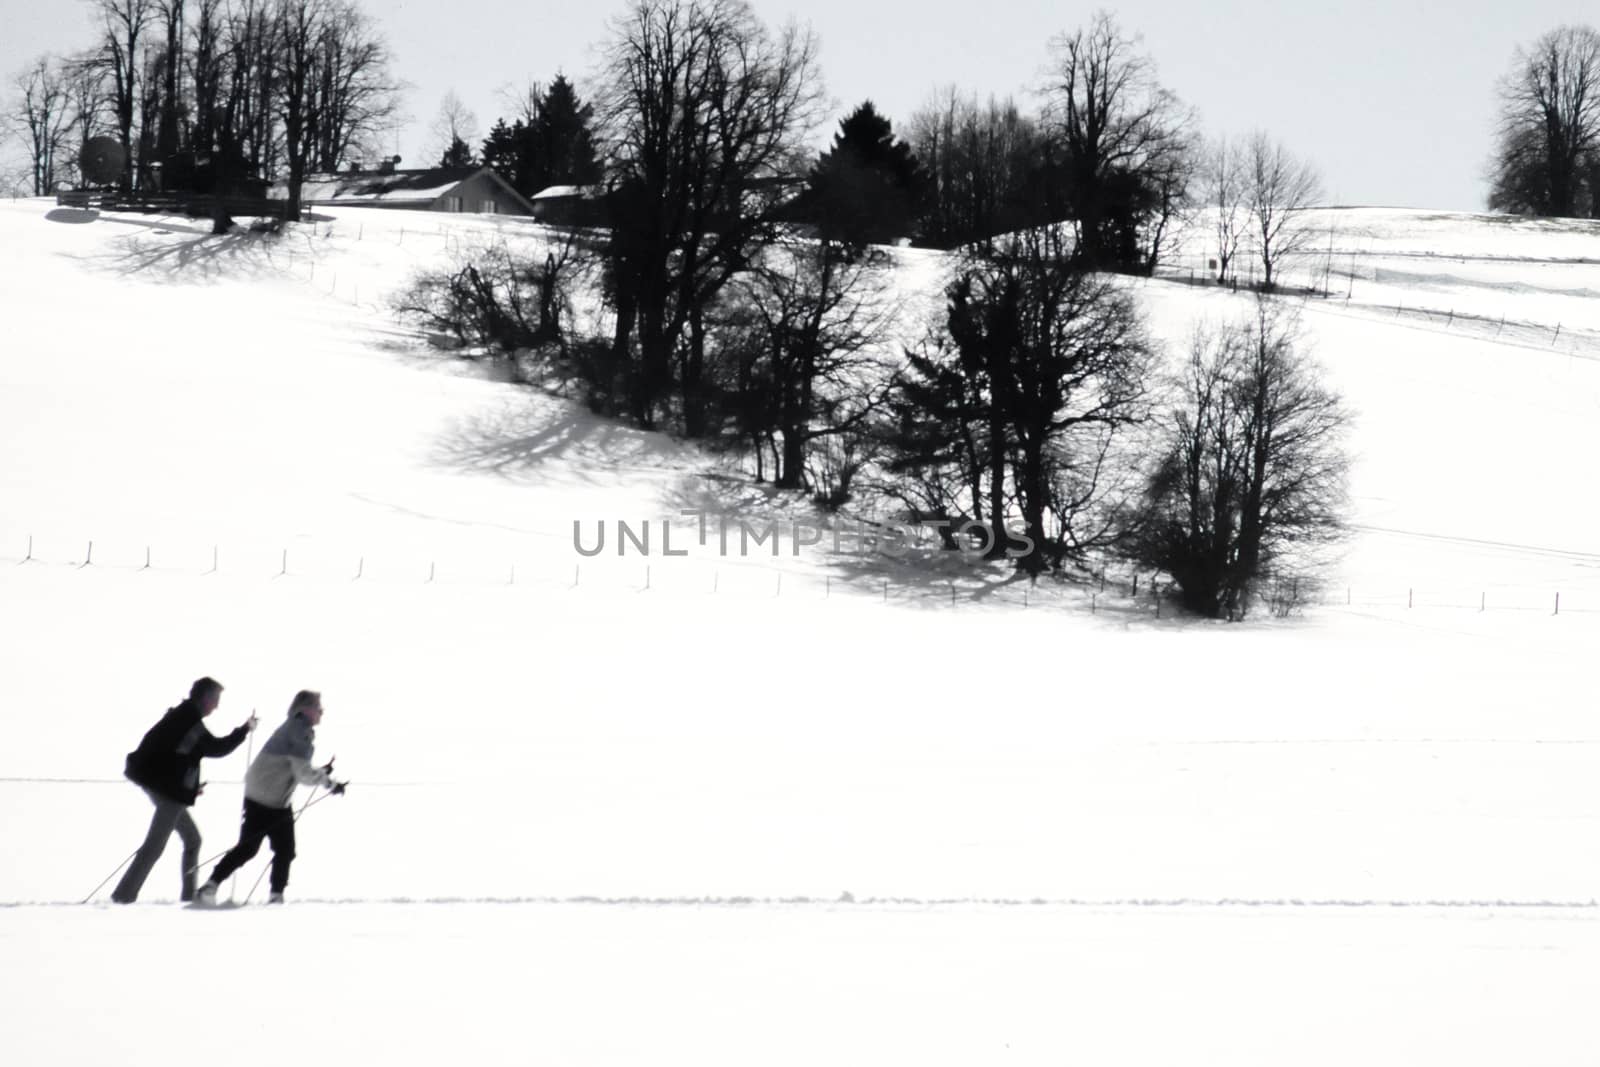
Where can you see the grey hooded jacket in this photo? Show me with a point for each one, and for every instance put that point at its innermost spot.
(283, 762)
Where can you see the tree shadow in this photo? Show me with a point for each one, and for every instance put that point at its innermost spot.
(205, 257)
(531, 431)
(862, 555)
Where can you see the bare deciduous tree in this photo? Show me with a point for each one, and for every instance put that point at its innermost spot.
(704, 112)
(207, 67)
(454, 124)
(1223, 188)
(1279, 189)
(1043, 366)
(1549, 127)
(357, 94)
(984, 165)
(171, 111)
(248, 126)
(1252, 472)
(88, 95)
(298, 29)
(812, 314)
(42, 118)
(123, 24)
(1120, 136)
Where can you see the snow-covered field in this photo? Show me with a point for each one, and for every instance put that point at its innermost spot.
(813, 809)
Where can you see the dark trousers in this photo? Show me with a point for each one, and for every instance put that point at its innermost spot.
(169, 816)
(261, 822)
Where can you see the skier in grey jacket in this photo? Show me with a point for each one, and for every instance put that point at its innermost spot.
(283, 763)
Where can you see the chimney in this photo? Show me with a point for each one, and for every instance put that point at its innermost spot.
(387, 166)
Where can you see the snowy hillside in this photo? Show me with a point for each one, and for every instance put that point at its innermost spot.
(723, 810)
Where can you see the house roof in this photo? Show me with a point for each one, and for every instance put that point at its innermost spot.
(418, 187)
(562, 192)
(423, 186)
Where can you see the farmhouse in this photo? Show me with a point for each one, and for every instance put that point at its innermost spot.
(470, 190)
(571, 205)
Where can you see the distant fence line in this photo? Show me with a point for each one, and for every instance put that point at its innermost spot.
(1333, 286)
(856, 576)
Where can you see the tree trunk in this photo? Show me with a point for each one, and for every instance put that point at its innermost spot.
(694, 400)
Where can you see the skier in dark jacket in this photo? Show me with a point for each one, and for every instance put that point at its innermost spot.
(283, 762)
(166, 765)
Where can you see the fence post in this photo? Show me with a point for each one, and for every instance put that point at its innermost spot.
(146, 558)
(1094, 605)
(647, 576)
(285, 569)
(213, 559)
(1483, 601)
(1410, 597)
(431, 566)
(29, 556)
(88, 557)
(828, 588)
(1558, 604)
(361, 565)
(1557, 337)
(779, 591)
(886, 590)
(575, 574)
(1135, 586)
(716, 580)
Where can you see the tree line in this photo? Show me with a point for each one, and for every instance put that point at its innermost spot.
(212, 95)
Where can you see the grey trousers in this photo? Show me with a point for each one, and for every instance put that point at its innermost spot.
(169, 816)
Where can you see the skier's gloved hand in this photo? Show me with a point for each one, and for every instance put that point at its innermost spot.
(327, 768)
(337, 788)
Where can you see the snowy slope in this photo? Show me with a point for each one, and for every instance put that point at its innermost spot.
(774, 810)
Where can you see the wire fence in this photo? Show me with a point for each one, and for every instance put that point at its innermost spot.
(927, 578)
(1329, 283)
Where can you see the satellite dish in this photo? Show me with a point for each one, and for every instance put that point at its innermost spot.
(101, 161)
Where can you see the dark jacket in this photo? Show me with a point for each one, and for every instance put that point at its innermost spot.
(167, 761)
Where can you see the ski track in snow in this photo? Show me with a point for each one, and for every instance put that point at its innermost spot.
(900, 903)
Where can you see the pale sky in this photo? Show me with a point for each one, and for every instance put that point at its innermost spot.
(1393, 100)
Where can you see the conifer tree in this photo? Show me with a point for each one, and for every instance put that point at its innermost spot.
(459, 154)
(562, 138)
(865, 188)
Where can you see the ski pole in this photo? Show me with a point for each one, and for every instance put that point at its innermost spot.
(265, 869)
(112, 875)
(209, 862)
(249, 750)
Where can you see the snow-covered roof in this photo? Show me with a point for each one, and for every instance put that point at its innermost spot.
(556, 192)
(401, 186)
